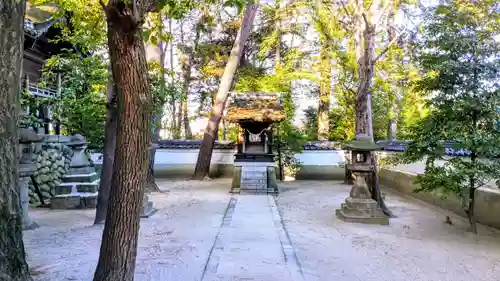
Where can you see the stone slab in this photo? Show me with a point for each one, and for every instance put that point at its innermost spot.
(249, 245)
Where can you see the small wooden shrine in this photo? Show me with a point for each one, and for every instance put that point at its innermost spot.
(254, 166)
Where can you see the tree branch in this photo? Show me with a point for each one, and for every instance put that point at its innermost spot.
(344, 7)
(387, 47)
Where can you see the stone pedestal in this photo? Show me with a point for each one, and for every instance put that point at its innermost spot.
(27, 138)
(79, 186)
(147, 208)
(359, 206)
(254, 177)
(24, 179)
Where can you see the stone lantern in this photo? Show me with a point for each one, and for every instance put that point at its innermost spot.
(27, 138)
(359, 206)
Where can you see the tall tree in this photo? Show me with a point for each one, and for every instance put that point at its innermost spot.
(13, 264)
(129, 67)
(458, 53)
(108, 153)
(365, 26)
(324, 91)
(205, 155)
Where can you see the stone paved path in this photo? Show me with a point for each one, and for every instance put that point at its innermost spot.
(252, 244)
(202, 233)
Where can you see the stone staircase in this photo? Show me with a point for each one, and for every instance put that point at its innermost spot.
(254, 178)
(79, 186)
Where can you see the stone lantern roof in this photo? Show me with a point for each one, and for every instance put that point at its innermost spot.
(256, 107)
(362, 145)
(28, 136)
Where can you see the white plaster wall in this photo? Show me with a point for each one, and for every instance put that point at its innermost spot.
(321, 157)
(182, 156)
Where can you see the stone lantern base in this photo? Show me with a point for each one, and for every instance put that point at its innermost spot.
(359, 207)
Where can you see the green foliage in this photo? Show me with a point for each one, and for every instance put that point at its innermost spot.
(81, 105)
(286, 136)
(82, 21)
(310, 122)
(459, 57)
(161, 92)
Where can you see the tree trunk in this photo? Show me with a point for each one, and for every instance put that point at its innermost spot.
(108, 154)
(324, 92)
(179, 119)
(470, 211)
(392, 124)
(202, 168)
(185, 118)
(365, 55)
(175, 129)
(151, 185)
(13, 264)
(118, 251)
(472, 194)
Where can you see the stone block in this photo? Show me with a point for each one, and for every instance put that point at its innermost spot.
(236, 183)
(87, 187)
(81, 178)
(65, 202)
(272, 183)
(74, 201)
(63, 189)
(88, 201)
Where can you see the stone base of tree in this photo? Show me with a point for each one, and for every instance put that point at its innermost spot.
(254, 178)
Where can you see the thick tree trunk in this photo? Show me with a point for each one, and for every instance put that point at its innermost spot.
(118, 251)
(13, 266)
(202, 168)
(324, 93)
(108, 154)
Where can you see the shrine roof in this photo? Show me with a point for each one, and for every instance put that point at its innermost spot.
(258, 107)
(39, 18)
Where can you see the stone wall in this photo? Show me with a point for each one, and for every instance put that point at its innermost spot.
(487, 198)
(52, 158)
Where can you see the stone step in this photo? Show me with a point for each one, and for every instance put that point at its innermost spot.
(79, 200)
(67, 188)
(83, 178)
(252, 181)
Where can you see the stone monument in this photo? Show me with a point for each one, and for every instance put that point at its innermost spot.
(79, 186)
(27, 137)
(254, 166)
(359, 206)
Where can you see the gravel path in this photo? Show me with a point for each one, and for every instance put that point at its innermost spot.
(188, 235)
(418, 245)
